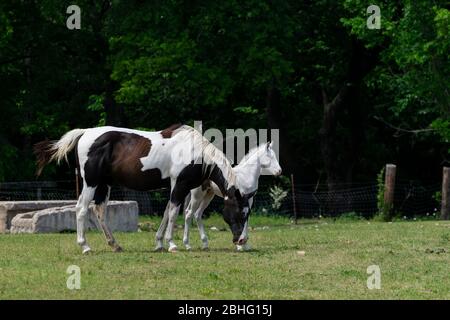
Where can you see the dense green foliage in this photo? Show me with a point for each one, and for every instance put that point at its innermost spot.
(346, 98)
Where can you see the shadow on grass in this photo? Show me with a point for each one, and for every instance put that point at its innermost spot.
(105, 251)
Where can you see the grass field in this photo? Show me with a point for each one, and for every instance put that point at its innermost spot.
(414, 259)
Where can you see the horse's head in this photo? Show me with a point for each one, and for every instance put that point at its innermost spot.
(269, 161)
(235, 213)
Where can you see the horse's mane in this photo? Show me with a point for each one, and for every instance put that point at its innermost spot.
(211, 154)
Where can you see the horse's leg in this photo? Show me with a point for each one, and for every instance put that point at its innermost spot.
(82, 208)
(246, 246)
(172, 217)
(244, 235)
(187, 222)
(101, 206)
(195, 197)
(179, 190)
(162, 227)
(198, 217)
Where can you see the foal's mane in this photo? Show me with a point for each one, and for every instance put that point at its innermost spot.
(211, 154)
(251, 153)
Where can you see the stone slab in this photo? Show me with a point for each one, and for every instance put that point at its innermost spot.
(9, 209)
(120, 216)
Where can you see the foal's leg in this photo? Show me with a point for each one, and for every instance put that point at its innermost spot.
(198, 217)
(82, 208)
(100, 211)
(162, 227)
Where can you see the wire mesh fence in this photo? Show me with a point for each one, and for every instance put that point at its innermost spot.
(310, 201)
(37, 190)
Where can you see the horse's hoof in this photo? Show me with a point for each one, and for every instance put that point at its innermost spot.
(245, 247)
(188, 247)
(159, 249)
(173, 249)
(86, 250)
(205, 248)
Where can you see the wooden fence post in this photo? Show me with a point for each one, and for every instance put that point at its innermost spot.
(445, 205)
(389, 187)
(293, 198)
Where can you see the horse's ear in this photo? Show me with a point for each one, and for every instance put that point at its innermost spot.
(269, 145)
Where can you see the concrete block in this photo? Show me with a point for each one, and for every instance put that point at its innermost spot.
(9, 209)
(120, 216)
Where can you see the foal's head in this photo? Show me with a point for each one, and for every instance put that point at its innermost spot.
(269, 161)
(235, 213)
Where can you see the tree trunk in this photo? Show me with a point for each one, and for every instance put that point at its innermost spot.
(114, 111)
(340, 158)
(273, 112)
(328, 138)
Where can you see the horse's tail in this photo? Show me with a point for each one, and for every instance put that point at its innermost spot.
(47, 151)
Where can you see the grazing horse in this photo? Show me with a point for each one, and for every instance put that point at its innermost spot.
(142, 160)
(247, 174)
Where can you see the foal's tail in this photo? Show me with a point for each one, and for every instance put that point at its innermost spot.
(46, 151)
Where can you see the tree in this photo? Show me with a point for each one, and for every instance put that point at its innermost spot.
(346, 98)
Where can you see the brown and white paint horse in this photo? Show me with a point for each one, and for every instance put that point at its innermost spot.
(144, 160)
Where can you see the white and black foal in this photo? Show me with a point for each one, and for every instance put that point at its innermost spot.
(261, 159)
(144, 160)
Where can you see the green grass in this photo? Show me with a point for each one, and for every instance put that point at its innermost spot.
(414, 258)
